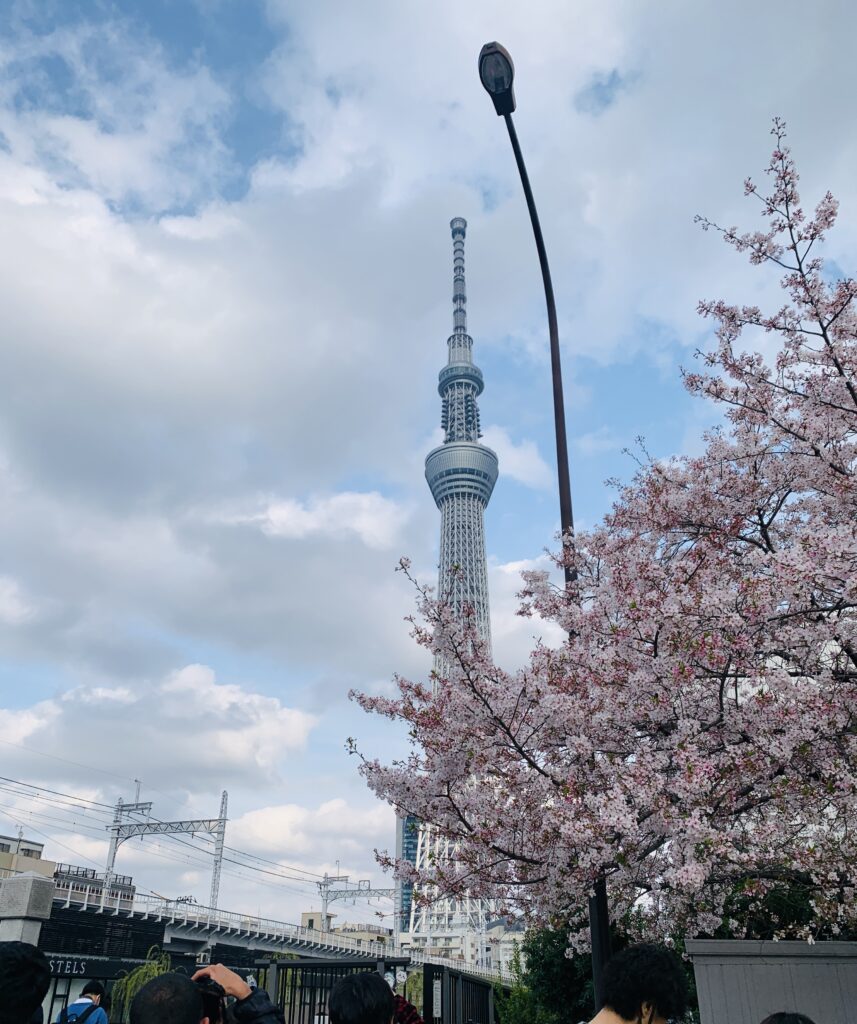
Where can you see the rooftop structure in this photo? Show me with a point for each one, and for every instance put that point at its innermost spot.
(18, 855)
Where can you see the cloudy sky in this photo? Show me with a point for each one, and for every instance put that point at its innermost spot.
(225, 284)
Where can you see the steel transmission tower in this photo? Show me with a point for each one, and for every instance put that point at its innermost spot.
(121, 830)
(461, 474)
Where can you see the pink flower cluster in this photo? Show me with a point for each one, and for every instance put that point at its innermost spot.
(697, 734)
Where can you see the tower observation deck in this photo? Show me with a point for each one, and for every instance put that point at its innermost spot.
(462, 471)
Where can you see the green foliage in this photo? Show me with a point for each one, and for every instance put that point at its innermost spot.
(157, 963)
(549, 987)
(783, 911)
(414, 990)
(561, 985)
(518, 1005)
(527, 1001)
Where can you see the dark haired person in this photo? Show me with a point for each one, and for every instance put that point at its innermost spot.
(405, 1012)
(362, 998)
(167, 999)
(24, 979)
(644, 984)
(784, 1017)
(175, 999)
(87, 1006)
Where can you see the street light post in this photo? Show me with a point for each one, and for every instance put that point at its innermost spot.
(497, 73)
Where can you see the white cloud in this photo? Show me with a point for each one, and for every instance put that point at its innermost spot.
(522, 462)
(146, 133)
(17, 725)
(293, 831)
(186, 729)
(514, 636)
(377, 521)
(101, 694)
(14, 608)
(596, 442)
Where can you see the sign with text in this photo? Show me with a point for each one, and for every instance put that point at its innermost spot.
(97, 968)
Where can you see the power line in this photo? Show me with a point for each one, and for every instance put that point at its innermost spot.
(65, 760)
(242, 853)
(41, 816)
(53, 839)
(44, 789)
(94, 820)
(56, 798)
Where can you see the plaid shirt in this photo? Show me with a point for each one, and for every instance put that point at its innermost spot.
(405, 1012)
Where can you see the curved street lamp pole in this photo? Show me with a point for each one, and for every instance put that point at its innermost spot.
(497, 73)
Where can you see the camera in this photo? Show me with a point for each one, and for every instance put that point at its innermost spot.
(213, 999)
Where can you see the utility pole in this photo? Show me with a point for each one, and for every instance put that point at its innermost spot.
(119, 811)
(220, 837)
(361, 890)
(121, 830)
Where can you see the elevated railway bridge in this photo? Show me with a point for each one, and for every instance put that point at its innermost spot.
(103, 943)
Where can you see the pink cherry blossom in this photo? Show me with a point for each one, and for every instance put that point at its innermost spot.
(698, 730)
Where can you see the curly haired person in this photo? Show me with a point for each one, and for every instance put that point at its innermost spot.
(644, 984)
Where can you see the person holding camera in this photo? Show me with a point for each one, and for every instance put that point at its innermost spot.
(177, 999)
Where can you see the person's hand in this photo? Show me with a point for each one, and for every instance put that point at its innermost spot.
(231, 983)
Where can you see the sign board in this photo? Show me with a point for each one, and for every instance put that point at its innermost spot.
(89, 967)
(105, 968)
(401, 976)
(437, 998)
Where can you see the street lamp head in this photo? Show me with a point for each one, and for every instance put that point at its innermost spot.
(497, 73)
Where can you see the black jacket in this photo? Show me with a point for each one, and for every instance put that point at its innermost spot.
(257, 1008)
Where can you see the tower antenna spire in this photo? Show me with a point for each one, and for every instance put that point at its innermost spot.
(458, 226)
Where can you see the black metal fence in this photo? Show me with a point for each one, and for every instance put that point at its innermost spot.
(301, 987)
(455, 998)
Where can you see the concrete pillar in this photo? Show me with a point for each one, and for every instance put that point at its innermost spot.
(25, 901)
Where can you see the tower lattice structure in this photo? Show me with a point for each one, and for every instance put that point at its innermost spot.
(461, 473)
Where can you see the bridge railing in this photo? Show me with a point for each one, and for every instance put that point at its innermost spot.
(193, 915)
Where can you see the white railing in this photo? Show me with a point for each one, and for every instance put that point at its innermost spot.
(192, 915)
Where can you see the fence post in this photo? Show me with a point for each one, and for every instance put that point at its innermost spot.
(271, 981)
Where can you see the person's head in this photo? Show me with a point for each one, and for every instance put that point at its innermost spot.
(167, 999)
(784, 1017)
(645, 984)
(24, 979)
(95, 990)
(362, 998)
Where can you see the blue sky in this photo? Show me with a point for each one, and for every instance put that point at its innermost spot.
(226, 275)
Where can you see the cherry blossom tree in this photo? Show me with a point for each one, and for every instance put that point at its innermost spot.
(695, 739)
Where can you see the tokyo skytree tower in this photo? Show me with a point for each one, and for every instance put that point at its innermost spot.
(461, 474)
